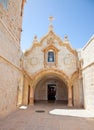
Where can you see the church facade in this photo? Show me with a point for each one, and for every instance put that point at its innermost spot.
(51, 70)
(54, 67)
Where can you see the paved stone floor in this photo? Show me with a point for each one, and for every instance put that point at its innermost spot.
(29, 119)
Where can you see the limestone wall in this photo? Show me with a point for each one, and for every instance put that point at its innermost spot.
(88, 84)
(34, 62)
(10, 54)
(9, 77)
(77, 93)
(67, 61)
(88, 74)
(87, 53)
(61, 92)
(41, 92)
(11, 17)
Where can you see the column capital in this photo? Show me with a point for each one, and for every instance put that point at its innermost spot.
(70, 84)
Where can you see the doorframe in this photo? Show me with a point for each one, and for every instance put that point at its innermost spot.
(55, 88)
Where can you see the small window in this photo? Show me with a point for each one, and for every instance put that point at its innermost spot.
(50, 56)
(4, 3)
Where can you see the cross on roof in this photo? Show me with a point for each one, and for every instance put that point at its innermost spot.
(51, 18)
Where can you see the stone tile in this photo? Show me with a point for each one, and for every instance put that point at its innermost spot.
(29, 119)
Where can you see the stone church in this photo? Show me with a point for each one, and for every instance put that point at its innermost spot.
(54, 67)
(51, 70)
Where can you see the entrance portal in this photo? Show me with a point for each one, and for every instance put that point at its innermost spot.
(52, 92)
(51, 88)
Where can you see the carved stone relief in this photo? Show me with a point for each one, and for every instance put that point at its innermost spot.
(34, 61)
(68, 60)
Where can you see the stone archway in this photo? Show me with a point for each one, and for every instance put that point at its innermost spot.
(51, 88)
(52, 74)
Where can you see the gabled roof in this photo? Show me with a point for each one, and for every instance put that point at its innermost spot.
(51, 34)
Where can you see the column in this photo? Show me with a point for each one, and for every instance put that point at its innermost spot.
(20, 91)
(25, 92)
(70, 96)
(31, 100)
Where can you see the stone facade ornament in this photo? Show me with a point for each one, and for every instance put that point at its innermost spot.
(34, 61)
(51, 18)
(35, 39)
(50, 40)
(66, 40)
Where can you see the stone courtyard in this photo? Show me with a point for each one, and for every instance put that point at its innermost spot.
(32, 119)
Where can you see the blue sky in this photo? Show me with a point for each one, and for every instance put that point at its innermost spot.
(74, 18)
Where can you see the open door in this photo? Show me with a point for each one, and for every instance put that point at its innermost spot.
(52, 92)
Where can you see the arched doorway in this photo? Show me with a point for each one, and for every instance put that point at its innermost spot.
(50, 85)
(49, 77)
(49, 80)
(51, 88)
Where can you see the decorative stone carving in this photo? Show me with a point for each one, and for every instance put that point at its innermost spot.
(68, 60)
(46, 50)
(34, 60)
(35, 39)
(50, 40)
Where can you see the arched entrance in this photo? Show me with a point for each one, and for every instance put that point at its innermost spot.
(51, 88)
(48, 79)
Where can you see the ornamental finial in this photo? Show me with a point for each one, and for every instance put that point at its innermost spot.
(51, 18)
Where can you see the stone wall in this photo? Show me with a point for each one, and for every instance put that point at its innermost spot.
(87, 54)
(9, 77)
(77, 93)
(35, 61)
(10, 54)
(11, 17)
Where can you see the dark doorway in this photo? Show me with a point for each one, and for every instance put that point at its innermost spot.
(52, 92)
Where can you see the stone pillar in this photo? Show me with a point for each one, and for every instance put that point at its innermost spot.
(70, 96)
(31, 96)
(25, 92)
(20, 91)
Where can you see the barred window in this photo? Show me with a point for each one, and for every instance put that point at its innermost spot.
(4, 3)
(50, 56)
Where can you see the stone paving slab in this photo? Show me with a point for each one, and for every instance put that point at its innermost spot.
(29, 119)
